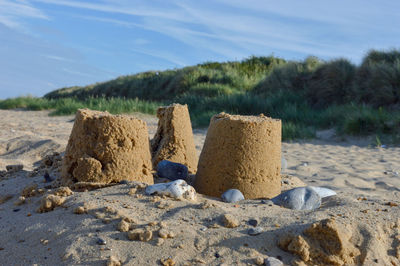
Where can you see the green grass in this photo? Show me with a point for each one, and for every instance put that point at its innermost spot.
(306, 95)
(67, 106)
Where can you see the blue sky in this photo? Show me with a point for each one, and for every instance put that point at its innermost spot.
(48, 44)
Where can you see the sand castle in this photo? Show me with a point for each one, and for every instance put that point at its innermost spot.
(106, 148)
(242, 152)
(173, 140)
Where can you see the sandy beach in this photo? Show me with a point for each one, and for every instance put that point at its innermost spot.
(365, 209)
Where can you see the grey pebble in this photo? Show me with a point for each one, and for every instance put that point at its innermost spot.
(232, 196)
(172, 171)
(101, 241)
(253, 222)
(301, 198)
(271, 261)
(47, 177)
(255, 231)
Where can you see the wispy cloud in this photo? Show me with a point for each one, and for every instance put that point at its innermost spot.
(223, 30)
(164, 55)
(12, 13)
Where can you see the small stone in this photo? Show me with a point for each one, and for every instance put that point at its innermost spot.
(229, 221)
(160, 241)
(175, 189)
(253, 222)
(101, 241)
(232, 196)
(123, 226)
(21, 200)
(259, 260)
(172, 171)
(14, 167)
(167, 262)
(163, 224)
(79, 210)
(140, 234)
(255, 231)
(152, 223)
(47, 178)
(271, 261)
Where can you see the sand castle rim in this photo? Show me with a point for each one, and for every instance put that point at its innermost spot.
(261, 118)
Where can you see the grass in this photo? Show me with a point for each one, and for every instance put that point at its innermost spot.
(306, 95)
(67, 106)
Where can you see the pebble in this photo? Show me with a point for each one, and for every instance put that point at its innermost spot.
(255, 231)
(79, 210)
(283, 164)
(301, 198)
(271, 261)
(21, 200)
(47, 178)
(232, 196)
(171, 170)
(101, 241)
(253, 222)
(175, 189)
(229, 221)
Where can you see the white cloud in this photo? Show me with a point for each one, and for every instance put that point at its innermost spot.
(12, 13)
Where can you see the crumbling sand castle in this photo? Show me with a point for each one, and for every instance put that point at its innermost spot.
(173, 140)
(242, 152)
(323, 243)
(106, 148)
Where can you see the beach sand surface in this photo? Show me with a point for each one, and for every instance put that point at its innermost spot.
(366, 179)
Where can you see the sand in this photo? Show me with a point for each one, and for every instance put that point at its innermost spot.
(366, 179)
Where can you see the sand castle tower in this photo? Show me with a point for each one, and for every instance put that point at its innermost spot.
(173, 140)
(106, 148)
(242, 152)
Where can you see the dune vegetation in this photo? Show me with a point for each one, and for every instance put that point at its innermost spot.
(307, 95)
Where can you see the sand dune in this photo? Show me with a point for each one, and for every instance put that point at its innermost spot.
(366, 209)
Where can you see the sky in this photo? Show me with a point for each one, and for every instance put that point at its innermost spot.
(50, 44)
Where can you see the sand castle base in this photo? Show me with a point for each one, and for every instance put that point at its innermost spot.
(173, 140)
(106, 148)
(241, 152)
